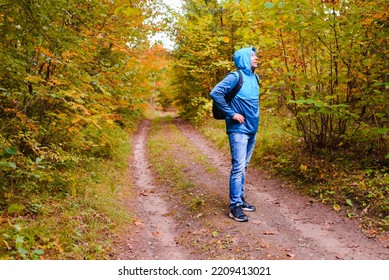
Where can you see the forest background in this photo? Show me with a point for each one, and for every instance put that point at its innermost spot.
(77, 76)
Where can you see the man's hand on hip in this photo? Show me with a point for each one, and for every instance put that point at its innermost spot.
(238, 117)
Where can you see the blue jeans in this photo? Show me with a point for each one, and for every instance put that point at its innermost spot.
(242, 147)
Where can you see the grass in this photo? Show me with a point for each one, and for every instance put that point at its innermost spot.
(168, 169)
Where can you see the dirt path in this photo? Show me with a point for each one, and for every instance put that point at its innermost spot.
(285, 225)
(155, 237)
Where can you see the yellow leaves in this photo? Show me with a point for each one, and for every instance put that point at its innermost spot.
(336, 207)
(95, 122)
(23, 118)
(34, 79)
(55, 82)
(127, 10)
(76, 120)
(268, 41)
(67, 55)
(73, 129)
(45, 51)
(38, 79)
(303, 168)
(81, 108)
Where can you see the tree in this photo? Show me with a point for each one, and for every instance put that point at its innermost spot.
(69, 70)
(332, 71)
(324, 61)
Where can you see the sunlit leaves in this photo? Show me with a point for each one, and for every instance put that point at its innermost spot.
(269, 5)
(127, 10)
(68, 70)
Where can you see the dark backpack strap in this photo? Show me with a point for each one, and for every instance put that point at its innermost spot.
(229, 96)
(257, 77)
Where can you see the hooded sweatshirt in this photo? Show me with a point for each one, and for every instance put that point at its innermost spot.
(246, 101)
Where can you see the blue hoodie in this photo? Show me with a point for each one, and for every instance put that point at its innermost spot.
(246, 102)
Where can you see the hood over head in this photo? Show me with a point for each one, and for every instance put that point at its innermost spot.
(242, 59)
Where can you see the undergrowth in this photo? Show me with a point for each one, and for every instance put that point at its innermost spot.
(64, 204)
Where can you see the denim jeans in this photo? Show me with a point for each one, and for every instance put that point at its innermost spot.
(242, 147)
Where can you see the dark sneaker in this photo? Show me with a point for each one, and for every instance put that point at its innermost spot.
(247, 206)
(237, 214)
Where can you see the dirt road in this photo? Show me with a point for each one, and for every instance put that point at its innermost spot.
(285, 225)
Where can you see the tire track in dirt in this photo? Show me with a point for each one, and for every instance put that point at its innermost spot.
(290, 225)
(154, 236)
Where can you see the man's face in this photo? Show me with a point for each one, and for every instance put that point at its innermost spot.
(254, 60)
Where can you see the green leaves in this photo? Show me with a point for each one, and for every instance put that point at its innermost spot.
(8, 164)
(10, 151)
(349, 202)
(268, 5)
(6, 153)
(15, 208)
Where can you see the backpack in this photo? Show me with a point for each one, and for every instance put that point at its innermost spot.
(216, 112)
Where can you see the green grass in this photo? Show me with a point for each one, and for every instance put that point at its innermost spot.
(169, 170)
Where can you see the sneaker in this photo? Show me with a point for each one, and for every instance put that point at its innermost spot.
(237, 214)
(247, 206)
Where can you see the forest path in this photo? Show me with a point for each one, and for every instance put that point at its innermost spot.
(285, 225)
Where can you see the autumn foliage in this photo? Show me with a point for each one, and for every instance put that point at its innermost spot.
(74, 73)
(323, 61)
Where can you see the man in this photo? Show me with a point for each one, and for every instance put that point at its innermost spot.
(242, 118)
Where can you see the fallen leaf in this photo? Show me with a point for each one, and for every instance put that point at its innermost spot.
(372, 232)
(264, 244)
(138, 223)
(167, 214)
(290, 255)
(157, 233)
(145, 193)
(270, 232)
